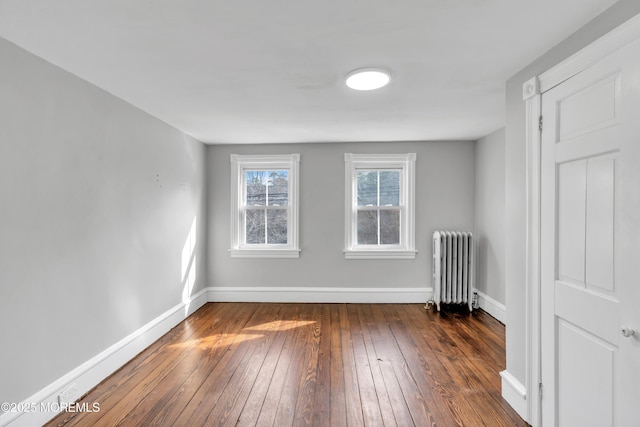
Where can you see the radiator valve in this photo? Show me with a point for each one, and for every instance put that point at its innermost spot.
(474, 302)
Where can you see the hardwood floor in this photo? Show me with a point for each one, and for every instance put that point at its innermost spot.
(311, 364)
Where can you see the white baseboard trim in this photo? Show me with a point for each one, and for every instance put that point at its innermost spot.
(515, 393)
(319, 294)
(92, 372)
(493, 307)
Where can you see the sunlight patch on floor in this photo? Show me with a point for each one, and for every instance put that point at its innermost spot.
(212, 342)
(280, 325)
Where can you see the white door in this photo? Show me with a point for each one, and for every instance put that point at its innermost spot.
(590, 246)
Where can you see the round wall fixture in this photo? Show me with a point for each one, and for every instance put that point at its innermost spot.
(367, 78)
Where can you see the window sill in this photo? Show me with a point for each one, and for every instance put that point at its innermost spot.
(380, 254)
(264, 253)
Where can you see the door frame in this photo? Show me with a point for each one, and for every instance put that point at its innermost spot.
(532, 91)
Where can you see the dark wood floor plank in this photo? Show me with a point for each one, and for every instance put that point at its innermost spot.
(351, 386)
(371, 411)
(321, 411)
(481, 358)
(290, 407)
(424, 368)
(169, 366)
(213, 344)
(152, 409)
(206, 397)
(233, 398)
(135, 369)
(388, 350)
(338, 407)
(467, 360)
(450, 350)
(309, 373)
(284, 365)
(388, 359)
(311, 365)
(392, 405)
(255, 401)
(127, 395)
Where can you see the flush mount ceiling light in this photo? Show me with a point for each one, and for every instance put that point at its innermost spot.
(367, 78)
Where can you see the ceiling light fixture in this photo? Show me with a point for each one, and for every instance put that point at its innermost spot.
(367, 78)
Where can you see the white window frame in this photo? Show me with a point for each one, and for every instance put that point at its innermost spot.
(406, 164)
(239, 165)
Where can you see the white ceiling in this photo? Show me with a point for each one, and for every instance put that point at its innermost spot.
(254, 71)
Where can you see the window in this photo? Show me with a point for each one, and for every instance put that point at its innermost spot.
(379, 221)
(264, 206)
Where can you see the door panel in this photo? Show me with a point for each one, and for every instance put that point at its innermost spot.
(590, 245)
(574, 343)
(593, 107)
(588, 310)
(572, 181)
(600, 223)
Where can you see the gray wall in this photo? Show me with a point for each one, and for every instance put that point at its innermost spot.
(515, 161)
(490, 187)
(97, 200)
(445, 200)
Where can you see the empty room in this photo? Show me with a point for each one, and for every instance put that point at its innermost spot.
(279, 213)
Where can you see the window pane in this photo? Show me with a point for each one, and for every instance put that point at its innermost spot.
(367, 227)
(390, 227)
(390, 188)
(256, 182)
(278, 188)
(255, 226)
(277, 227)
(367, 188)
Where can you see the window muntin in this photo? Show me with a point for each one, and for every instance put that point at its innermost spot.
(266, 207)
(264, 211)
(379, 206)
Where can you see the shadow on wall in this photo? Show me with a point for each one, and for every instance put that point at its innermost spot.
(189, 267)
(487, 264)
